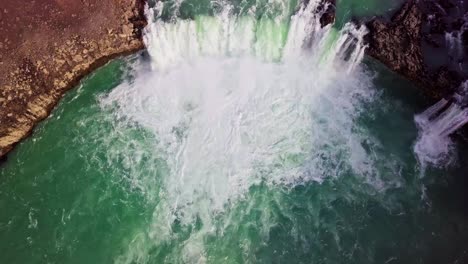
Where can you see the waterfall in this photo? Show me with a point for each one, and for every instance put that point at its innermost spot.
(454, 43)
(234, 98)
(434, 145)
(272, 39)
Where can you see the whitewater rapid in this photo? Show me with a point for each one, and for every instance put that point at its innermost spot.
(234, 101)
(437, 124)
(246, 133)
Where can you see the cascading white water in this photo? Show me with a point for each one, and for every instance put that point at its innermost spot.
(454, 43)
(235, 101)
(454, 40)
(434, 146)
(436, 124)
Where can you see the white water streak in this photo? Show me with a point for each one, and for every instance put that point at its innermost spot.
(454, 43)
(233, 102)
(434, 146)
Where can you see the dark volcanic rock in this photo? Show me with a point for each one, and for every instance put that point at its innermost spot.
(397, 44)
(415, 44)
(328, 7)
(326, 10)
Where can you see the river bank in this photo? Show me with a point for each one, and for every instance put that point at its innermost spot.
(50, 45)
(177, 157)
(47, 46)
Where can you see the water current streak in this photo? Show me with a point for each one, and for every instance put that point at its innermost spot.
(237, 99)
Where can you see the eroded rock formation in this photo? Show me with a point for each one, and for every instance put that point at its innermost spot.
(47, 46)
(414, 44)
(328, 10)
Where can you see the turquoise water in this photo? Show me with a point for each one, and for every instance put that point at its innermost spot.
(365, 9)
(323, 169)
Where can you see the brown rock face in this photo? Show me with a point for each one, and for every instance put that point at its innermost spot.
(46, 46)
(399, 45)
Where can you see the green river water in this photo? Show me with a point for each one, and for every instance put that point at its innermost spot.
(122, 172)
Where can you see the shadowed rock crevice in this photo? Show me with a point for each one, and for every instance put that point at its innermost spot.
(328, 10)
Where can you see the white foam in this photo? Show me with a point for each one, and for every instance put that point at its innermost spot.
(234, 102)
(434, 146)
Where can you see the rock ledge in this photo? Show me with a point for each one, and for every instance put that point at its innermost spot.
(49, 46)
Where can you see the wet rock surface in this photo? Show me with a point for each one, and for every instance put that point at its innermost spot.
(328, 10)
(47, 46)
(425, 42)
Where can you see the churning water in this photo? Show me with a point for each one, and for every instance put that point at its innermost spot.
(250, 134)
(234, 101)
